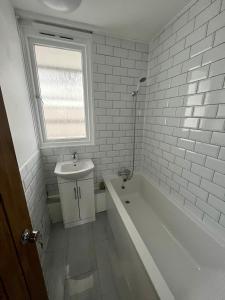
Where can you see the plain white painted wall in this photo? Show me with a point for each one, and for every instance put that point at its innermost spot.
(14, 87)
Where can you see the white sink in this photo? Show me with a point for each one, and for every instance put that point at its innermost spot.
(72, 170)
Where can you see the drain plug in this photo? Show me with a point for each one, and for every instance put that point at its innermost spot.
(127, 201)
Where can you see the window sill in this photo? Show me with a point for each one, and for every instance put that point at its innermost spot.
(66, 144)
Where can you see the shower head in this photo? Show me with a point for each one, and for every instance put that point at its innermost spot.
(142, 79)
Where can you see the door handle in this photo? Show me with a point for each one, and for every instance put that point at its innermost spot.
(75, 192)
(79, 192)
(79, 197)
(31, 237)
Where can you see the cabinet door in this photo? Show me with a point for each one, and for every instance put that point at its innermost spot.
(69, 202)
(86, 195)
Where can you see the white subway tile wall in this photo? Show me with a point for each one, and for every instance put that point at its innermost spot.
(32, 177)
(117, 66)
(184, 125)
(181, 114)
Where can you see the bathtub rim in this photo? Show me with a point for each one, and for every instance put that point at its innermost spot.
(159, 283)
(152, 270)
(215, 234)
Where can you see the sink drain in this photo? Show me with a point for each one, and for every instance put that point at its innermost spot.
(127, 201)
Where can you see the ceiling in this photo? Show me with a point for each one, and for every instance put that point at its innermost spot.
(137, 20)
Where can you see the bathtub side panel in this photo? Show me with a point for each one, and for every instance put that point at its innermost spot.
(133, 270)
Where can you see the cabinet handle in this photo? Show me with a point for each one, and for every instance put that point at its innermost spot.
(75, 192)
(79, 192)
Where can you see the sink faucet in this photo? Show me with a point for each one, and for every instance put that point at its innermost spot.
(75, 157)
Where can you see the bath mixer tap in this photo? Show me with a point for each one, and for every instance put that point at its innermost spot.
(124, 173)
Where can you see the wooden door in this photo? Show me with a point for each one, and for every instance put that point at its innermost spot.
(13, 285)
(20, 270)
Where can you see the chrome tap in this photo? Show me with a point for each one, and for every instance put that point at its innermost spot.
(75, 157)
(124, 173)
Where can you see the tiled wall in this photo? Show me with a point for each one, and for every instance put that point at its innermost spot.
(184, 139)
(117, 66)
(183, 147)
(34, 187)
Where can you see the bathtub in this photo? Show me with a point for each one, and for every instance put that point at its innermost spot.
(165, 253)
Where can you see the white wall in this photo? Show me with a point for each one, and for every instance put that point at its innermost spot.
(184, 136)
(13, 85)
(16, 98)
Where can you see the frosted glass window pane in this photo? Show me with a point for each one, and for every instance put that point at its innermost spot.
(62, 92)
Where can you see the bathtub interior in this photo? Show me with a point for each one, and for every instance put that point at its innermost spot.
(183, 251)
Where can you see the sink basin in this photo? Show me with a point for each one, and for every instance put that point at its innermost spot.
(71, 170)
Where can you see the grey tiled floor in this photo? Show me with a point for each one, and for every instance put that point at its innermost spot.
(82, 264)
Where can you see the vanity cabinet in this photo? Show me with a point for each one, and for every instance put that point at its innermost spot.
(69, 202)
(77, 200)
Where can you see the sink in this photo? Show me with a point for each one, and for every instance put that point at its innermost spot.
(74, 170)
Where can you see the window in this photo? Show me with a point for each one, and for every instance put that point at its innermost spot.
(61, 73)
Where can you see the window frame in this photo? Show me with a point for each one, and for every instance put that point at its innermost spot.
(52, 36)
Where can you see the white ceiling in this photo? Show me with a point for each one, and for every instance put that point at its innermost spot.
(131, 19)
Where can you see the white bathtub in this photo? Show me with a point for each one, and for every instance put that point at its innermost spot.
(178, 256)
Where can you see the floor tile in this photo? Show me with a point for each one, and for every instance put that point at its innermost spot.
(104, 267)
(58, 238)
(55, 272)
(100, 227)
(81, 257)
(109, 296)
(81, 263)
(85, 286)
(120, 283)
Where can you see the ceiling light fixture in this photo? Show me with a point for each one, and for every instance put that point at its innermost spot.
(62, 5)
